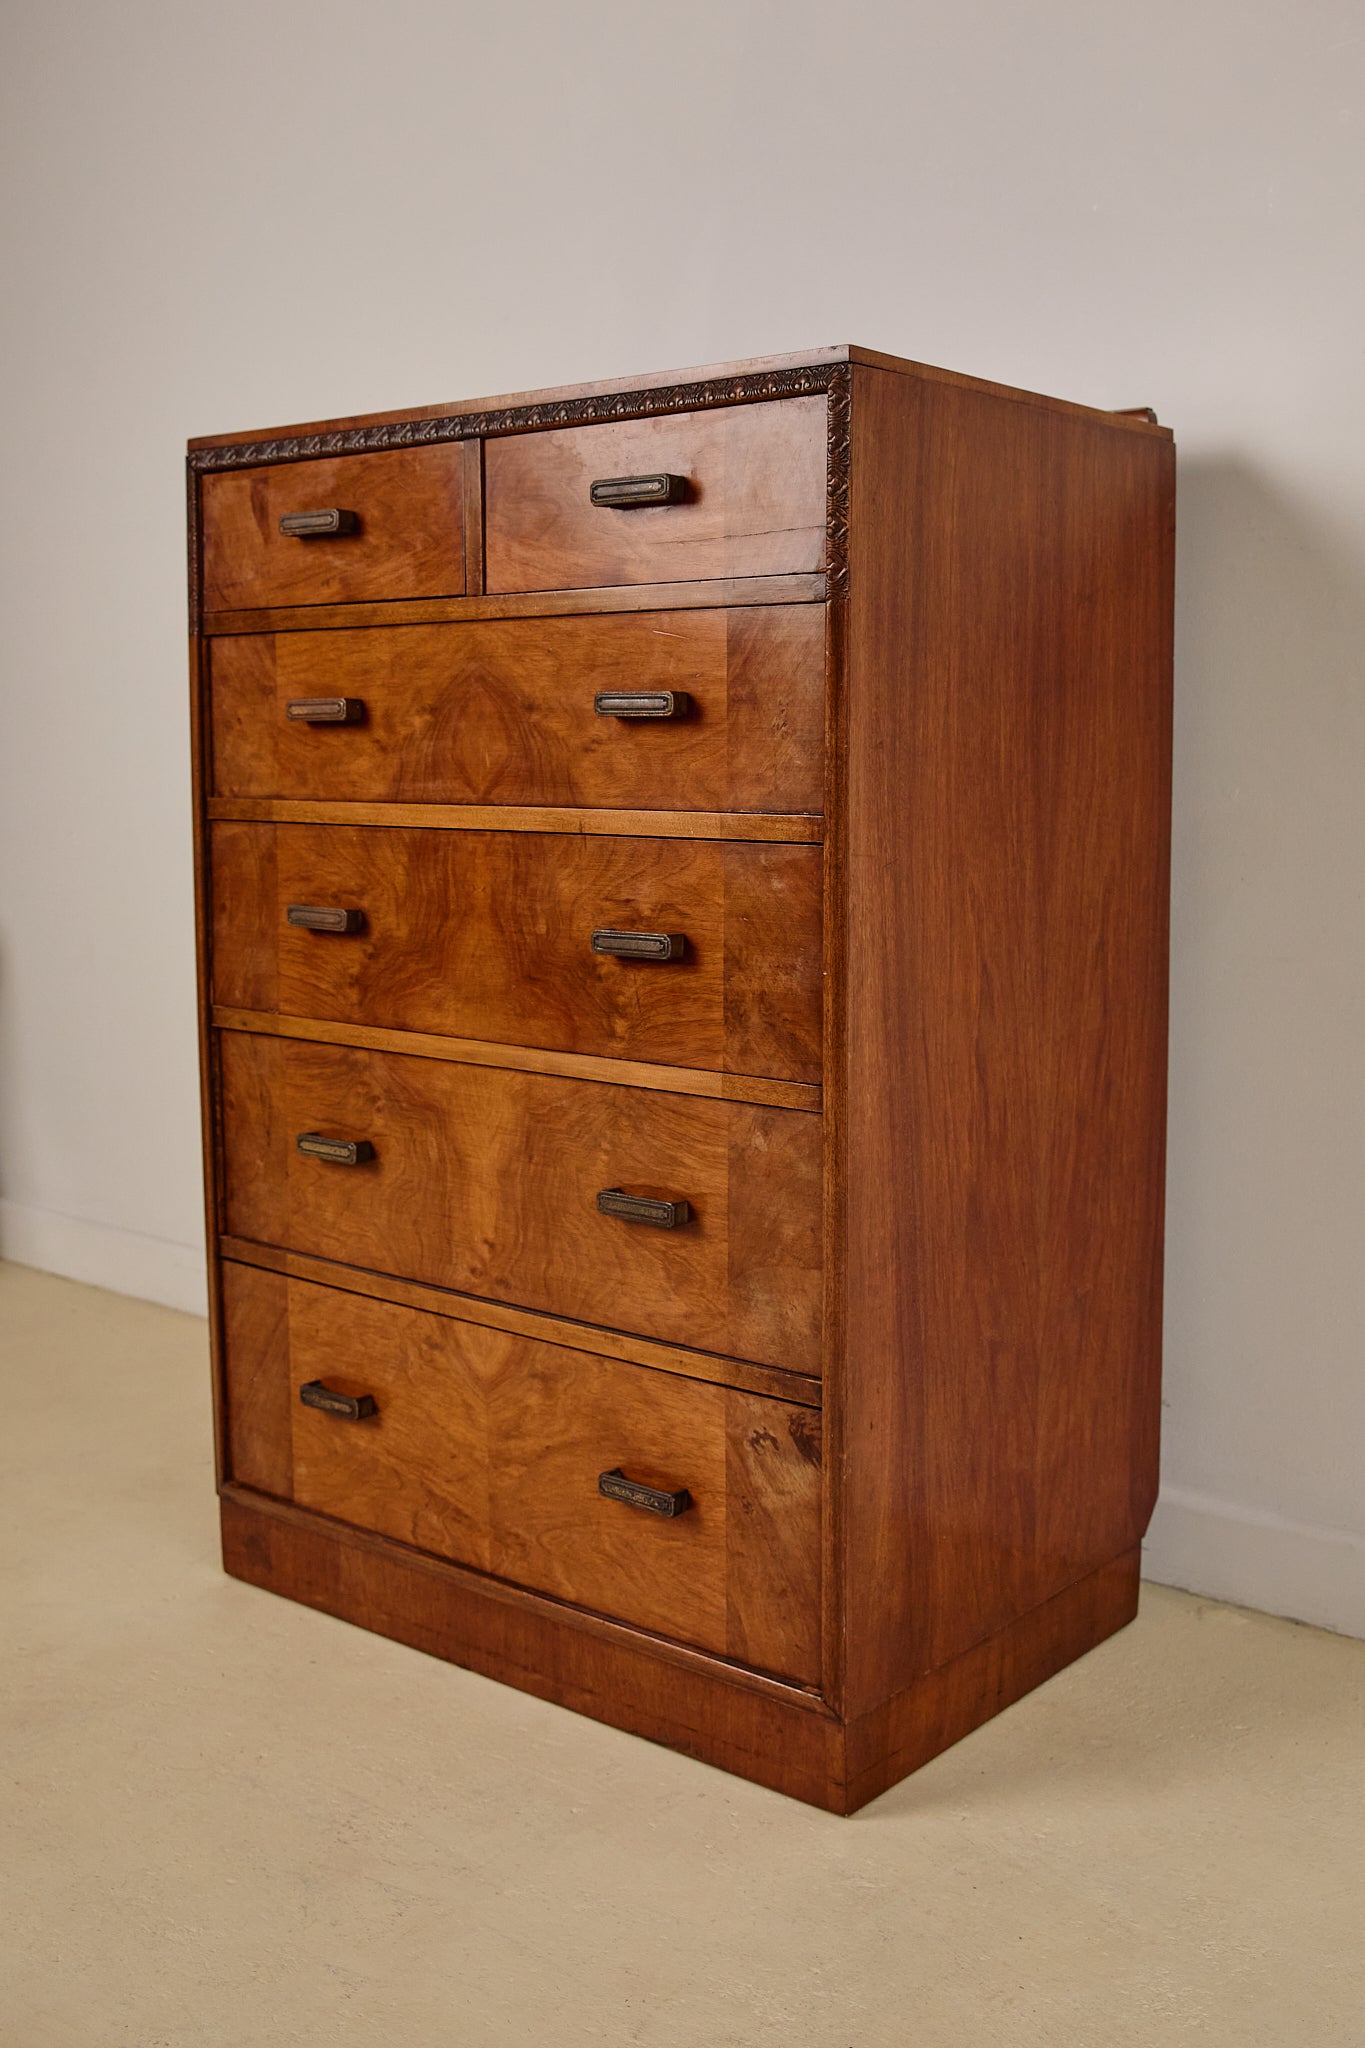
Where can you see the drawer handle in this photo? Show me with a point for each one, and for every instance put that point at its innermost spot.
(329, 521)
(325, 710)
(642, 703)
(625, 491)
(339, 1151)
(355, 1407)
(644, 1209)
(655, 1500)
(324, 917)
(640, 945)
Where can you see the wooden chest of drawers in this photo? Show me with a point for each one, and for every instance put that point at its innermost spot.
(683, 873)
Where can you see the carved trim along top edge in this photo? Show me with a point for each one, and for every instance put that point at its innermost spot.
(832, 378)
(836, 512)
(522, 419)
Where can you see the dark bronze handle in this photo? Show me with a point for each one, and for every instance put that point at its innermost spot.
(644, 1209)
(324, 917)
(355, 1407)
(655, 1500)
(642, 703)
(640, 945)
(639, 490)
(319, 525)
(340, 1151)
(325, 710)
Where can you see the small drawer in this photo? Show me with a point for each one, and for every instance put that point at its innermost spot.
(532, 711)
(748, 499)
(498, 1453)
(499, 935)
(398, 515)
(488, 1180)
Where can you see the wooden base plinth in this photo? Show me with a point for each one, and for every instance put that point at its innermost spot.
(758, 1728)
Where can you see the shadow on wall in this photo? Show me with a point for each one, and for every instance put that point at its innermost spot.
(1265, 1283)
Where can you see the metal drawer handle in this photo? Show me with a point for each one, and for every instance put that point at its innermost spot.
(644, 1209)
(355, 1407)
(642, 703)
(640, 945)
(339, 1151)
(324, 917)
(624, 491)
(325, 710)
(655, 1500)
(330, 520)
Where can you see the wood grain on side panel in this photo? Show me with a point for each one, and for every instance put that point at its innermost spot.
(487, 1181)
(501, 711)
(488, 935)
(1008, 705)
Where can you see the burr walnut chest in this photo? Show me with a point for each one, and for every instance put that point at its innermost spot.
(682, 878)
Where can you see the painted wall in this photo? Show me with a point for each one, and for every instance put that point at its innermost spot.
(247, 214)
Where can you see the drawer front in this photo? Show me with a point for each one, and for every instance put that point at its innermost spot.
(487, 1449)
(486, 1180)
(407, 539)
(502, 711)
(489, 935)
(754, 503)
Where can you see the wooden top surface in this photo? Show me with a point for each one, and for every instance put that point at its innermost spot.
(559, 394)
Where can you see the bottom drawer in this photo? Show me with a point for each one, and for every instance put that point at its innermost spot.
(487, 1449)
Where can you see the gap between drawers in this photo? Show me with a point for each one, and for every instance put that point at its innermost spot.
(801, 1390)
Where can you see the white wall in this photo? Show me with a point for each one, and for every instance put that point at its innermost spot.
(242, 214)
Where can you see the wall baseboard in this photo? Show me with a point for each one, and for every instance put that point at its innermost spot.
(125, 1261)
(1256, 1559)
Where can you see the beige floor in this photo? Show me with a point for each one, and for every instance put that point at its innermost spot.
(227, 1820)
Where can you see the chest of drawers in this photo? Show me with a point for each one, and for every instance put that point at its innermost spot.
(682, 879)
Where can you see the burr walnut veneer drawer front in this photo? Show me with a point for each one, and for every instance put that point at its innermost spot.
(683, 710)
(490, 935)
(749, 483)
(487, 1181)
(488, 1449)
(400, 516)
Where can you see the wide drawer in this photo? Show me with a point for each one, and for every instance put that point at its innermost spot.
(503, 711)
(487, 1180)
(406, 539)
(487, 1449)
(752, 480)
(489, 935)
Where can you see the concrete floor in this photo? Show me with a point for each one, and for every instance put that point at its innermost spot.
(228, 1820)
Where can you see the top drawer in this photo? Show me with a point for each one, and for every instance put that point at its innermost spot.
(402, 515)
(749, 484)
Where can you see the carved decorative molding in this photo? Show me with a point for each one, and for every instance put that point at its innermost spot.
(836, 516)
(523, 419)
(570, 412)
(192, 542)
